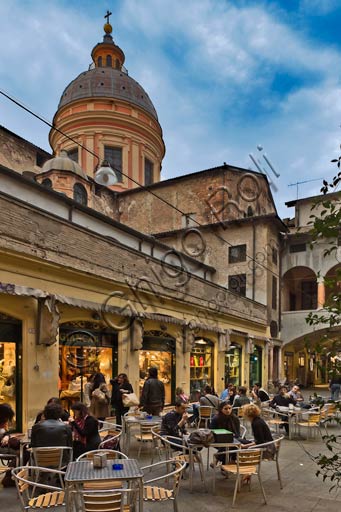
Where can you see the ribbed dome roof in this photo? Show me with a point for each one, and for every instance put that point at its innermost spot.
(63, 163)
(109, 83)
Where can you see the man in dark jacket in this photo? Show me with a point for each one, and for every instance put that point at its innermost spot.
(283, 399)
(52, 431)
(259, 394)
(153, 394)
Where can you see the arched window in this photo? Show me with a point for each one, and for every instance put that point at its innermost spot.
(80, 194)
(109, 61)
(117, 64)
(47, 183)
(99, 62)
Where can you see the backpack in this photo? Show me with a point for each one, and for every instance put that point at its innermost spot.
(202, 436)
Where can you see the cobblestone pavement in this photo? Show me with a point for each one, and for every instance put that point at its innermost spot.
(302, 491)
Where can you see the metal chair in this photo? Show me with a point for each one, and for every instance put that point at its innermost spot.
(104, 500)
(310, 421)
(170, 490)
(111, 454)
(205, 414)
(188, 454)
(146, 435)
(275, 457)
(248, 463)
(52, 457)
(33, 494)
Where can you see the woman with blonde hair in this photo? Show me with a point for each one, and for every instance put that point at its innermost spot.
(260, 429)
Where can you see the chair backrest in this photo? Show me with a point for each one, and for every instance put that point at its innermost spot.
(111, 500)
(51, 456)
(28, 485)
(205, 411)
(111, 454)
(178, 467)
(146, 428)
(242, 431)
(249, 457)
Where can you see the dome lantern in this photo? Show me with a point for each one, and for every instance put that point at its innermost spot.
(108, 54)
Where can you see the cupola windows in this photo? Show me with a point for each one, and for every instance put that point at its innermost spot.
(114, 157)
(109, 61)
(99, 62)
(80, 194)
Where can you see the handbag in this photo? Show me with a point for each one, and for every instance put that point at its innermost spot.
(130, 400)
(99, 395)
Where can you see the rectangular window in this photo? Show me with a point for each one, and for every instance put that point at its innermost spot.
(237, 253)
(237, 284)
(114, 157)
(309, 295)
(73, 154)
(274, 256)
(297, 248)
(274, 292)
(148, 172)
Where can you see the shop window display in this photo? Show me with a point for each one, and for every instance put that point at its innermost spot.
(7, 374)
(201, 366)
(163, 362)
(84, 351)
(233, 360)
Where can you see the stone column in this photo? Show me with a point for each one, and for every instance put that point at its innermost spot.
(321, 293)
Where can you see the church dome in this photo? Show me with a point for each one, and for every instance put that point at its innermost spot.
(107, 82)
(63, 163)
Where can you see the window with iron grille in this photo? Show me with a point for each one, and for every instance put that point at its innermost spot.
(274, 292)
(114, 157)
(73, 154)
(80, 194)
(297, 248)
(148, 172)
(237, 284)
(237, 253)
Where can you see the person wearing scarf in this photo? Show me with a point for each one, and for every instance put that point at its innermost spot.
(85, 430)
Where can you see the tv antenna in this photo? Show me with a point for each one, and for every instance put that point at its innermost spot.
(300, 183)
(264, 170)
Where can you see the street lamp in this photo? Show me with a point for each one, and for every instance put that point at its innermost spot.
(105, 175)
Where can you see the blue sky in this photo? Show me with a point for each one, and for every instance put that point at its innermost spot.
(223, 75)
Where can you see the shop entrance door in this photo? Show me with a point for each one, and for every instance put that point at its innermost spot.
(158, 350)
(289, 366)
(10, 366)
(256, 366)
(233, 363)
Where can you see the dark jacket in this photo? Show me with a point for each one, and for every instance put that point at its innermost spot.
(230, 422)
(263, 395)
(169, 425)
(282, 401)
(260, 430)
(240, 401)
(51, 433)
(153, 393)
(90, 432)
(116, 395)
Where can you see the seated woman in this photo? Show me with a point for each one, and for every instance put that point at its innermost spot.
(227, 420)
(260, 430)
(180, 395)
(7, 445)
(85, 430)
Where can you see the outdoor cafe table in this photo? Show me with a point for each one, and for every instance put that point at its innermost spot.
(83, 471)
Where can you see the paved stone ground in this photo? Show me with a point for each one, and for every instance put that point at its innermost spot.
(302, 491)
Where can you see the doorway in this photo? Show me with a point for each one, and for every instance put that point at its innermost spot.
(256, 366)
(10, 366)
(158, 350)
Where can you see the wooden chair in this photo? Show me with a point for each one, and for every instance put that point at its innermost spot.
(104, 500)
(52, 457)
(205, 414)
(274, 418)
(248, 463)
(275, 458)
(33, 494)
(310, 421)
(145, 435)
(111, 454)
(172, 481)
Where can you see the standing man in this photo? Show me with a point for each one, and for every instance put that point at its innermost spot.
(153, 394)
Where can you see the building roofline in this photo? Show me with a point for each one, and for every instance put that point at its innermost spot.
(289, 204)
(269, 216)
(25, 140)
(100, 216)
